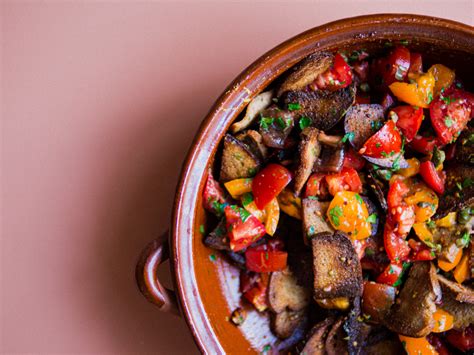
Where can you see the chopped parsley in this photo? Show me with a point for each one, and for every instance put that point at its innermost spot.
(348, 137)
(266, 122)
(376, 125)
(447, 100)
(464, 241)
(405, 266)
(266, 349)
(334, 214)
(404, 42)
(431, 224)
(448, 122)
(315, 198)
(247, 199)
(305, 122)
(294, 106)
(369, 252)
(430, 97)
(201, 229)
(372, 218)
(359, 199)
(282, 123)
(212, 257)
(467, 183)
(310, 231)
(378, 145)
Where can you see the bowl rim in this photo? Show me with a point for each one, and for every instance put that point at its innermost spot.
(228, 105)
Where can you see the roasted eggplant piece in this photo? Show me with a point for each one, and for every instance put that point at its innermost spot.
(254, 142)
(447, 239)
(285, 323)
(335, 342)
(331, 160)
(361, 122)
(314, 220)
(217, 239)
(356, 330)
(306, 72)
(412, 313)
(377, 188)
(275, 126)
(459, 189)
(257, 105)
(238, 161)
(459, 292)
(309, 151)
(316, 343)
(372, 209)
(285, 294)
(462, 312)
(324, 108)
(465, 147)
(336, 267)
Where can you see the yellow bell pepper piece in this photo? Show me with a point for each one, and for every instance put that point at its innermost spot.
(253, 209)
(447, 266)
(238, 187)
(443, 321)
(272, 215)
(423, 232)
(289, 203)
(425, 202)
(461, 273)
(443, 76)
(448, 221)
(419, 93)
(417, 346)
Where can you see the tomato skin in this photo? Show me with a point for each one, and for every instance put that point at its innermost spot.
(416, 64)
(409, 120)
(390, 274)
(346, 180)
(394, 67)
(396, 247)
(463, 340)
(243, 228)
(337, 77)
(254, 288)
(450, 114)
(424, 145)
(420, 252)
(387, 141)
(264, 259)
(316, 186)
(213, 196)
(268, 183)
(353, 160)
(396, 193)
(432, 177)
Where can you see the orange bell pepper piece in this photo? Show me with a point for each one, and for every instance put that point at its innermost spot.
(443, 321)
(419, 93)
(289, 203)
(238, 187)
(417, 346)
(461, 273)
(447, 266)
(272, 215)
(444, 77)
(413, 168)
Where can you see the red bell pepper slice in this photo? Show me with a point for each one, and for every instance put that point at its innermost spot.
(432, 177)
(409, 120)
(386, 142)
(347, 180)
(268, 183)
(213, 196)
(264, 258)
(243, 228)
(450, 114)
(396, 247)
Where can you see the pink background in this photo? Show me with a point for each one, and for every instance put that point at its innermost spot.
(100, 102)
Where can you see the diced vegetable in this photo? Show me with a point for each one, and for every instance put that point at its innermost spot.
(448, 266)
(419, 93)
(420, 251)
(443, 76)
(272, 216)
(394, 68)
(424, 200)
(337, 77)
(377, 300)
(412, 170)
(408, 120)
(254, 288)
(423, 232)
(213, 196)
(433, 178)
(243, 227)
(265, 259)
(391, 274)
(443, 321)
(416, 65)
(289, 203)
(396, 247)
(348, 213)
(268, 183)
(347, 180)
(385, 143)
(417, 346)
(447, 221)
(461, 273)
(424, 145)
(238, 187)
(316, 186)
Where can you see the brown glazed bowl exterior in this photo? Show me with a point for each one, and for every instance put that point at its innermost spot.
(207, 290)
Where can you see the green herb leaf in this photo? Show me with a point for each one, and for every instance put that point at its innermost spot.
(212, 257)
(372, 218)
(359, 199)
(448, 122)
(266, 122)
(334, 214)
(247, 199)
(201, 229)
(294, 106)
(464, 241)
(305, 122)
(348, 137)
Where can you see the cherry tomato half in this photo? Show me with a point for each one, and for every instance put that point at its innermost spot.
(352, 159)
(213, 196)
(268, 183)
(386, 142)
(396, 247)
(390, 274)
(408, 120)
(243, 227)
(316, 186)
(347, 180)
(265, 259)
(425, 145)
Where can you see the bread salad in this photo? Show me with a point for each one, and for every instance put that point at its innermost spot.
(345, 195)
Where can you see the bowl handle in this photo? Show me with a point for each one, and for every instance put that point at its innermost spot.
(154, 254)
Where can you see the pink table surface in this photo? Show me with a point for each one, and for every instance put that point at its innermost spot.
(100, 102)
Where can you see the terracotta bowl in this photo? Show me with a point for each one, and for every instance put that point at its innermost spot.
(207, 289)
